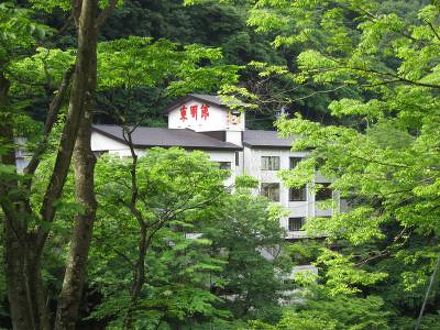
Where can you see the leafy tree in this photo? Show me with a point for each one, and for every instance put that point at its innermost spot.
(149, 208)
(139, 66)
(185, 248)
(246, 231)
(330, 300)
(26, 226)
(385, 163)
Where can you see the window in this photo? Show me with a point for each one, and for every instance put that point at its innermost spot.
(294, 161)
(298, 194)
(271, 191)
(237, 158)
(324, 192)
(270, 163)
(224, 166)
(295, 224)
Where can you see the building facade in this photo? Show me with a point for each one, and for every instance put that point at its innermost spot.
(204, 122)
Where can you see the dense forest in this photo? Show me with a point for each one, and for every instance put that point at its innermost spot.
(105, 243)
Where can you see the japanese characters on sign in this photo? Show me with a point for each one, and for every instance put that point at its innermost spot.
(183, 113)
(205, 112)
(194, 112)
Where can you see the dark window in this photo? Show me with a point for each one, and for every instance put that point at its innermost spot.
(324, 192)
(294, 161)
(270, 163)
(295, 224)
(271, 191)
(224, 165)
(237, 158)
(298, 194)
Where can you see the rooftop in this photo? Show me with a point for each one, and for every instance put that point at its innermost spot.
(260, 138)
(165, 137)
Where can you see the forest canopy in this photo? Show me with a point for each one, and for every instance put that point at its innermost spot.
(157, 241)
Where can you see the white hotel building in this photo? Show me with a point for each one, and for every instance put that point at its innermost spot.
(203, 122)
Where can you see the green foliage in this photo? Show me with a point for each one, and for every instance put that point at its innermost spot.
(18, 32)
(205, 264)
(384, 164)
(138, 61)
(42, 70)
(341, 277)
(136, 74)
(51, 5)
(329, 301)
(185, 185)
(246, 231)
(372, 65)
(246, 181)
(336, 312)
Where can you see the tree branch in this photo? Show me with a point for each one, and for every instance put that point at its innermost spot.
(393, 75)
(433, 30)
(386, 251)
(76, 10)
(54, 108)
(102, 17)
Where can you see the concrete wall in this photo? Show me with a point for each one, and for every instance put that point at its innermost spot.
(225, 156)
(308, 208)
(101, 142)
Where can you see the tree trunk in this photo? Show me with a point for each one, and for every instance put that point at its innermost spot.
(84, 163)
(37, 289)
(138, 277)
(20, 299)
(24, 248)
(76, 265)
(15, 229)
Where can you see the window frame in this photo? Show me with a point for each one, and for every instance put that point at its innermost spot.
(301, 191)
(290, 225)
(296, 160)
(222, 164)
(269, 166)
(266, 185)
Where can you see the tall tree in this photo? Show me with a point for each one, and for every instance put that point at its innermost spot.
(26, 227)
(150, 205)
(89, 23)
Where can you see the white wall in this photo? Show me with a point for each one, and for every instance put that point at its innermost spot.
(219, 119)
(225, 156)
(309, 208)
(235, 137)
(101, 142)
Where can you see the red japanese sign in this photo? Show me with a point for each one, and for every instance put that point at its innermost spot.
(205, 111)
(183, 113)
(194, 111)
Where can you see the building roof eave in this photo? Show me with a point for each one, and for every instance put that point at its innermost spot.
(200, 142)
